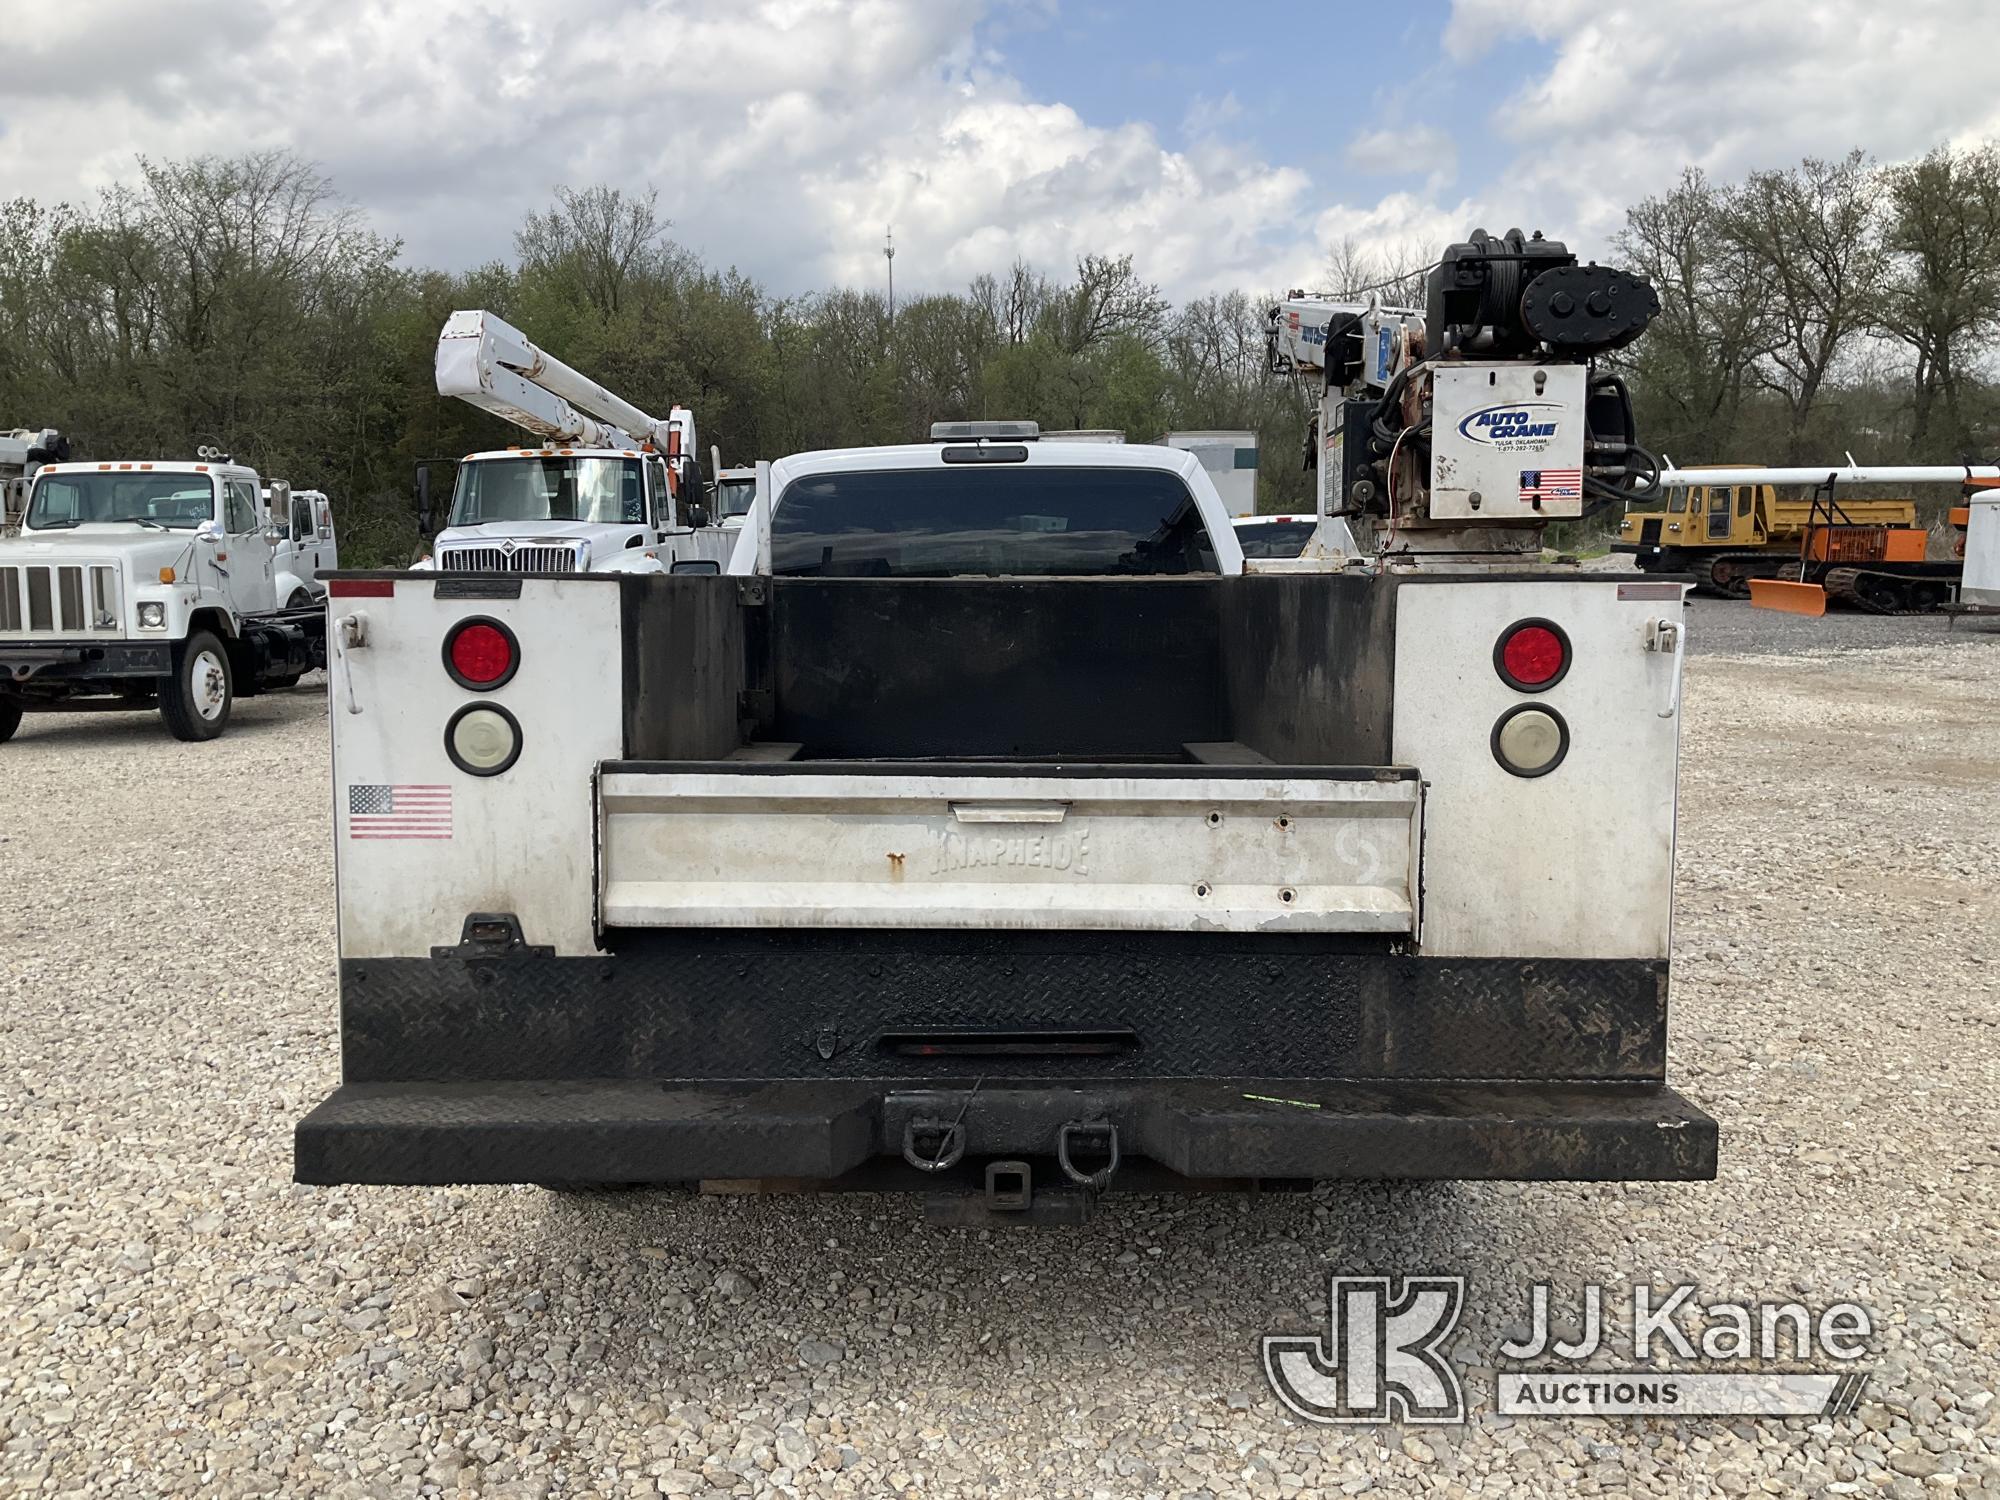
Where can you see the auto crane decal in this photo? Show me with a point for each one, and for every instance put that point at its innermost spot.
(1513, 426)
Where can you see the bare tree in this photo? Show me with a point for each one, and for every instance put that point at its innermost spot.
(1943, 290)
(1812, 232)
(1700, 355)
(1014, 305)
(599, 236)
(1108, 300)
(1394, 272)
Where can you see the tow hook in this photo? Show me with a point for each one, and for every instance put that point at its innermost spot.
(932, 1145)
(1095, 1140)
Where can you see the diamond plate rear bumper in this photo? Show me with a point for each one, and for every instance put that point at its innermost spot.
(824, 1131)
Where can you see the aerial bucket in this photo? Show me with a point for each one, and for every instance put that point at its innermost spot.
(1784, 594)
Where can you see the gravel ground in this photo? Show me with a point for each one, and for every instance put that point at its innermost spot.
(175, 1315)
(1735, 627)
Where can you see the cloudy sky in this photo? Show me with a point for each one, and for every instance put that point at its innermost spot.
(1223, 144)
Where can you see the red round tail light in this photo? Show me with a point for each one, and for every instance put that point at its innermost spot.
(481, 654)
(1531, 655)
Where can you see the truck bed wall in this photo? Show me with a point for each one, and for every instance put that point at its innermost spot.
(1311, 666)
(686, 655)
(1298, 668)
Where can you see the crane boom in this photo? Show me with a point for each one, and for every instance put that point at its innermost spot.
(489, 363)
(1296, 333)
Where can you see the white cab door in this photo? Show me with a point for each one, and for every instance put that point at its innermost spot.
(245, 555)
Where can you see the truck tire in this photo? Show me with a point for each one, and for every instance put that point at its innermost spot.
(10, 719)
(195, 702)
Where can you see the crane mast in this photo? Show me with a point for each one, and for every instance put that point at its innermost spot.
(1452, 436)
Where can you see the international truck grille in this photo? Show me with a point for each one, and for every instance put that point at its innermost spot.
(506, 560)
(59, 599)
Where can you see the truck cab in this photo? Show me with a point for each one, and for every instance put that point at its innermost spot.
(146, 581)
(575, 510)
(988, 500)
(1274, 537)
(734, 490)
(1717, 515)
(306, 544)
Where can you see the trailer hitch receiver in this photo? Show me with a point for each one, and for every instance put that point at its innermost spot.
(1096, 1142)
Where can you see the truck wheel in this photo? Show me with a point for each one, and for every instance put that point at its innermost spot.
(10, 719)
(300, 600)
(196, 700)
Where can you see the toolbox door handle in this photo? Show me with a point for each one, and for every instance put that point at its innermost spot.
(1010, 812)
(1664, 636)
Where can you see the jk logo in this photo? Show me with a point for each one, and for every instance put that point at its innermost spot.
(1381, 1360)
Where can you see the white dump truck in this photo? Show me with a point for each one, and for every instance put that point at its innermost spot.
(606, 488)
(138, 584)
(991, 829)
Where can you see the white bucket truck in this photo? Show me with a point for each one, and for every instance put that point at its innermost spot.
(606, 489)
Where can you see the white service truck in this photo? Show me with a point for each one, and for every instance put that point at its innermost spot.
(143, 583)
(992, 829)
(732, 492)
(305, 546)
(605, 489)
(23, 451)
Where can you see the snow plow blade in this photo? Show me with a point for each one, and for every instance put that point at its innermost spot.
(1792, 598)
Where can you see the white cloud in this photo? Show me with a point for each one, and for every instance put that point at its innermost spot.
(783, 135)
(1402, 151)
(1636, 91)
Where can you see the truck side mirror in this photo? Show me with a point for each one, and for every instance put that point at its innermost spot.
(697, 514)
(424, 498)
(209, 531)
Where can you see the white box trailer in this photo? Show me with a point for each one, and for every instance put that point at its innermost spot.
(1981, 584)
(1230, 457)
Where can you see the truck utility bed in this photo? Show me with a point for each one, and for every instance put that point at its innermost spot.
(1092, 882)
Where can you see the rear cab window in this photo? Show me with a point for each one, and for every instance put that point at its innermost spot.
(1014, 522)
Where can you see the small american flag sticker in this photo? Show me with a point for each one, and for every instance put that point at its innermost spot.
(398, 812)
(1552, 484)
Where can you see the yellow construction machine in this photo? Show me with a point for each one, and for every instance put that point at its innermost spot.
(1727, 534)
(1729, 528)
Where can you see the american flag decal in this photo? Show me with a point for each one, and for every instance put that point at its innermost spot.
(1552, 484)
(398, 812)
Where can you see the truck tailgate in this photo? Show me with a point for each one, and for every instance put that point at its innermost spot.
(1169, 849)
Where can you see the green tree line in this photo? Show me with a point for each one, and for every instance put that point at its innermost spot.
(242, 302)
